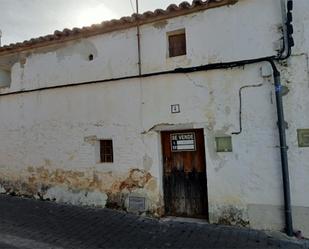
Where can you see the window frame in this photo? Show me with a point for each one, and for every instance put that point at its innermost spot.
(104, 146)
(171, 53)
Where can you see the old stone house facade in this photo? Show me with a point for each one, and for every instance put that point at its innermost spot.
(180, 119)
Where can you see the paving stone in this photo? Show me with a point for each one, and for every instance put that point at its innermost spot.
(66, 227)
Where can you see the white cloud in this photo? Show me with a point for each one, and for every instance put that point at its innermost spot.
(92, 14)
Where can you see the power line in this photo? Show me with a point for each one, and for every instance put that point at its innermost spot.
(132, 6)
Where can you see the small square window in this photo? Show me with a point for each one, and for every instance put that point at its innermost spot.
(106, 151)
(224, 144)
(177, 44)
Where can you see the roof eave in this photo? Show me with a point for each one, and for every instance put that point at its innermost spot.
(114, 25)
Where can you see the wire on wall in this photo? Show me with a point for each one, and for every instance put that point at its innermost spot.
(240, 106)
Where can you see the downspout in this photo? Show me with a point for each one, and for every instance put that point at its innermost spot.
(282, 126)
(284, 54)
(286, 51)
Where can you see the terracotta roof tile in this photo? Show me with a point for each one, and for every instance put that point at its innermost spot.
(107, 26)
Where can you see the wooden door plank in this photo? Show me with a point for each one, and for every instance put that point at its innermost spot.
(185, 184)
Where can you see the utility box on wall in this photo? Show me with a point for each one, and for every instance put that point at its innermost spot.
(303, 137)
(224, 144)
(5, 78)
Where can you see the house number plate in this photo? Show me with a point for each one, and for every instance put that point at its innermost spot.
(183, 142)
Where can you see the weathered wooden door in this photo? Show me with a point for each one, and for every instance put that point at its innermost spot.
(185, 186)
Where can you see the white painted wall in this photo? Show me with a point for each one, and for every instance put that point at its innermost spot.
(209, 33)
(48, 137)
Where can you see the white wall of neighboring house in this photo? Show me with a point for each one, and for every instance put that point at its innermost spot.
(49, 139)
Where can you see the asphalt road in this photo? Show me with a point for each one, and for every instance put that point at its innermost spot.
(31, 224)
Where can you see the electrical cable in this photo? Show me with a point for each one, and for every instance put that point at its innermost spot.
(132, 6)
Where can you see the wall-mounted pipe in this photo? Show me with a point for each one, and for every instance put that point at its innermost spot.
(283, 149)
(240, 106)
(286, 51)
(280, 113)
(224, 65)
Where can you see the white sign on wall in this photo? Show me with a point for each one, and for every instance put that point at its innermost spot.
(175, 108)
(183, 142)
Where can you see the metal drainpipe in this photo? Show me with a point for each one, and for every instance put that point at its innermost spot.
(284, 53)
(282, 126)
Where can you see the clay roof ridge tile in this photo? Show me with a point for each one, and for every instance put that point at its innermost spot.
(160, 12)
(67, 31)
(199, 3)
(76, 30)
(185, 5)
(173, 7)
(127, 19)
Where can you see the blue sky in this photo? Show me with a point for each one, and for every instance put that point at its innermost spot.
(25, 19)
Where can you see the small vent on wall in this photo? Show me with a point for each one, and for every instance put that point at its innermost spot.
(137, 204)
(91, 57)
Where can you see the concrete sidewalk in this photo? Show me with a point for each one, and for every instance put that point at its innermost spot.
(31, 224)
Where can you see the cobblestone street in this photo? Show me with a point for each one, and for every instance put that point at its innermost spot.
(31, 224)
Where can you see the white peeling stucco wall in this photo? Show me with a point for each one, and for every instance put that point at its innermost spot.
(49, 146)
